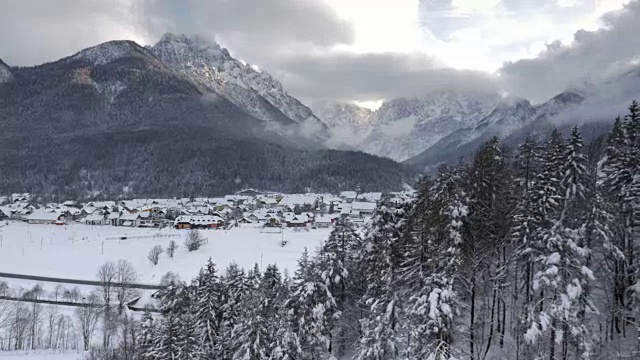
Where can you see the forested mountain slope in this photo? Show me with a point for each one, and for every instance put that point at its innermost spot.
(114, 119)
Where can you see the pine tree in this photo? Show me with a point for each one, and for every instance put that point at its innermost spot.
(253, 336)
(235, 289)
(208, 313)
(524, 232)
(177, 336)
(563, 277)
(486, 251)
(383, 259)
(434, 307)
(336, 264)
(305, 268)
(146, 337)
(314, 312)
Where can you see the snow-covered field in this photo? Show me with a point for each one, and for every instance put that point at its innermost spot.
(41, 355)
(76, 251)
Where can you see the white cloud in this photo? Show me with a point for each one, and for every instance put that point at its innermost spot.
(591, 57)
(381, 25)
(473, 6)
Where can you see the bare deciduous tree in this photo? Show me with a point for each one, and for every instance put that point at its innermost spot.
(154, 254)
(194, 240)
(87, 317)
(171, 249)
(107, 275)
(126, 276)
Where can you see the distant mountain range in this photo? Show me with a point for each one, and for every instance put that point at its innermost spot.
(183, 117)
(442, 127)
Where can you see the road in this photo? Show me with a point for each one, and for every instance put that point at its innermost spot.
(76, 281)
(65, 303)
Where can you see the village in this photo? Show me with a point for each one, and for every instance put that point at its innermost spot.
(266, 209)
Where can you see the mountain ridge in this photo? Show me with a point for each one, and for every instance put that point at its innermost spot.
(115, 119)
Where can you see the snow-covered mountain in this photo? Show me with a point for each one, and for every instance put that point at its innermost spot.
(5, 73)
(348, 123)
(108, 52)
(212, 67)
(511, 120)
(404, 127)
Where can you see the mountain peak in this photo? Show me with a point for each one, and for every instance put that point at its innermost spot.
(512, 102)
(212, 66)
(5, 72)
(107, 52)
(194, 43)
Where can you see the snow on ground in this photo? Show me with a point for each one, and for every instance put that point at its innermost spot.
(76, 250)
(41, 355)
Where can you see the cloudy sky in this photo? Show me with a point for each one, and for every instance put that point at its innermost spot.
(359, 50)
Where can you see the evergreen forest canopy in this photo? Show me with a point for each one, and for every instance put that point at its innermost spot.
(527, 259)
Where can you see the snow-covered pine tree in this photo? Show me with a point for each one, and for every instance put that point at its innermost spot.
(253, 336)
(147, 337)
(433, 309)
(621, 184)
(208, 315)
(235, 288)
(486, 251)
(524, 229)
(562, 275)
(383, 259)
(177, 336)
(575, 181)
(316, 313)
(304, 270)
(336, 263)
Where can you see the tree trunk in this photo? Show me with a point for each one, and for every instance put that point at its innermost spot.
(472, 307)
(504, 322)
(493, 308)
(552, 340)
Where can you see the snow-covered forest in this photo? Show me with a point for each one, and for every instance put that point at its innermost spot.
(532, 256)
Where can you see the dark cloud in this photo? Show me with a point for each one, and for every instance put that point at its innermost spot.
(364, 77)
(592, 57)
(36, 31)
(272, 21)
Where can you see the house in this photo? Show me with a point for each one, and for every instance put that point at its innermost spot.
(146, 220)
(293, 220)
(113, 218)
(249, 192)
(25, 197)
(324, 221)
(71, 213)
(129, 219)
(44, 217)
(273, 222)
(199, 222)
(370, 197)
(348, 196)
(301, 201)
(95, 219)
(364, 208)
(266, 202)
